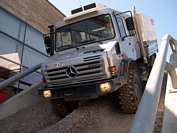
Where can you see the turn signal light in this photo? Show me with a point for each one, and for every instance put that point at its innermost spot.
(121, 55)
(112, 69)
(43, 80)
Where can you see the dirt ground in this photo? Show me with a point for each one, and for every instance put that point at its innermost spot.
(93, 116)
(160, 110)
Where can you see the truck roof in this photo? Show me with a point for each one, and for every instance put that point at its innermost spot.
(85, 12)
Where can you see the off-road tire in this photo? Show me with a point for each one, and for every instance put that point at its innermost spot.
(62, 108)
(130, 93)
(153, 57)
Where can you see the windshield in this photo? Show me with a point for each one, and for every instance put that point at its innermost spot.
(91, 30)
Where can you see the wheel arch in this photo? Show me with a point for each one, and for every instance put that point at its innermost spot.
(130, 64)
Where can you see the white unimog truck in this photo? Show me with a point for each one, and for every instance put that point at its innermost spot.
(98, 51)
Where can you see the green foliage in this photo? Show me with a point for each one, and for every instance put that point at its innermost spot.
(165, 73)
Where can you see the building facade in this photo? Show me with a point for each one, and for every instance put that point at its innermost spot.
(22, 26)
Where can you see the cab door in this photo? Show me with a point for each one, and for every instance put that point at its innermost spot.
(126, 46)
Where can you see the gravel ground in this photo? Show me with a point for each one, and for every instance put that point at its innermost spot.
(29, 120)
(93, 116)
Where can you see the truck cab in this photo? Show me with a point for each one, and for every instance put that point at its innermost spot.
(92, 22)
(96, 51)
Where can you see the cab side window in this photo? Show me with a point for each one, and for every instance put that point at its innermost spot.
(121, 27)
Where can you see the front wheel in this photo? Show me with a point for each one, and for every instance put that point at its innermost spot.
(130, 93)
(62, 108)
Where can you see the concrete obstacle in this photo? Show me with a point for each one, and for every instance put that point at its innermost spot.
(20, 101)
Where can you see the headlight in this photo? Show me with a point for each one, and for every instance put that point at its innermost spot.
(105, 87)
(47, 93)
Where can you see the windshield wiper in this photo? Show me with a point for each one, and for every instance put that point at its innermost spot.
(68, 47)
(100, 42)
(64, 47)
(77, 47)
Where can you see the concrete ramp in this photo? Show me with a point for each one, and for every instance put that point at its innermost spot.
(20, 101)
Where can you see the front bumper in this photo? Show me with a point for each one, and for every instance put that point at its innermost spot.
(82, 91)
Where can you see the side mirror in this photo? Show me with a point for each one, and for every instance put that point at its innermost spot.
(47, 41)
(47, 44)
(48, 50)
(129, 23)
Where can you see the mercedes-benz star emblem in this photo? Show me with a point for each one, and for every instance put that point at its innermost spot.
(71, 72)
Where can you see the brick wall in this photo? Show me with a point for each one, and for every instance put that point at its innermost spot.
(37, 13)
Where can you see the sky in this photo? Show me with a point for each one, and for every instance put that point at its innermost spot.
(164, 12)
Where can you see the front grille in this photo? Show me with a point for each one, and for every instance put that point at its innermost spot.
(91, 58)
(91, 68)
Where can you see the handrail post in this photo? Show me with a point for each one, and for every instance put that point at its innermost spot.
(173, 44)
(173, 74)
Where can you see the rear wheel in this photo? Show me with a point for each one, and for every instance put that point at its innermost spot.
(62, 108)
(130, 94)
